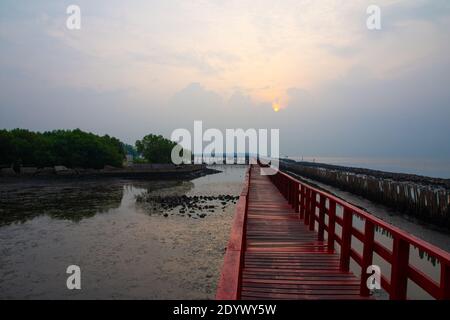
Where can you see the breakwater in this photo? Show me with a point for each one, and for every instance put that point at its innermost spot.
(147, 171)
(427, 199)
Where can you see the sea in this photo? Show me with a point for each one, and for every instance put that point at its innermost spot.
(436, 168)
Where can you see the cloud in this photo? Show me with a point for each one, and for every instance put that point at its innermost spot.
(161, 65)
(300, 98)
(398, 13)
(194, 96)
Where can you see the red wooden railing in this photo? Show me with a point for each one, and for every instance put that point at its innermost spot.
(303, 199)
(230, 279)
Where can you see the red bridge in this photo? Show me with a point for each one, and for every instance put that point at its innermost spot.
(284, 245)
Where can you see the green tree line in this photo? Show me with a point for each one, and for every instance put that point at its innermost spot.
(77, 149)
(155, 148)
(71, 148)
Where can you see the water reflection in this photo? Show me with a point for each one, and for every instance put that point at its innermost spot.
(73, 201)
(123, 251)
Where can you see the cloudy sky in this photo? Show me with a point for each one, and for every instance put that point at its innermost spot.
(310, 68)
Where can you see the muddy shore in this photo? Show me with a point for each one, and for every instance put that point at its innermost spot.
(149, 172)
(126, 248)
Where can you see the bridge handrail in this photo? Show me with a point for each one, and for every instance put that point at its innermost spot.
(303, 197)
(229, 284)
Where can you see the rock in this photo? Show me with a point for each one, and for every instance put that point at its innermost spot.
(8, 172)
(110, 168)
(63, 171)
(45, 171)
(60, 168)
(28, 171)
(86, 172)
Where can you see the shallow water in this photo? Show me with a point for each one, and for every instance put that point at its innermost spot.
(124, 249)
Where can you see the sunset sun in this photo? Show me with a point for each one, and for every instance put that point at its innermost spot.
(276, 106)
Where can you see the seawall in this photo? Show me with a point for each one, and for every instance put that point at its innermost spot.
(427, 199)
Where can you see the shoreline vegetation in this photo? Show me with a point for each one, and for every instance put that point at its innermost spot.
(77, 154)
(68, 148)
(136, 171)
(425, 198)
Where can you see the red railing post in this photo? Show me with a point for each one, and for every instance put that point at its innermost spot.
(367, 257)
(346, 240)
(287, 184)
(279, 185)
(445, 282)
(277, 179)
(289, 191)
(296, 194)
(331, 225)
(286, 188)
(302, 202)
(312, 212)
(247, 195)
(292, 193)
(321, 218)
(307, 205)
(399, 278)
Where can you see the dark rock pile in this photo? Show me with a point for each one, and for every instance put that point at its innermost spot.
(191, 206)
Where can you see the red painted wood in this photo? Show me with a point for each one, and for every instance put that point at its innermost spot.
(302, 201)
(423, 281)
(445, 283)
(399, 279)
(331, 225)
(273, 255)
(307, 206)
(346, 239)
(229, 285)
(367, 257)
(296, 197)
(321, 221)
(312, 210)
(284, 259)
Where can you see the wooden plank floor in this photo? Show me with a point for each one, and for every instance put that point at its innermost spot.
(283, 259)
